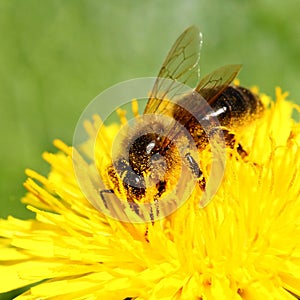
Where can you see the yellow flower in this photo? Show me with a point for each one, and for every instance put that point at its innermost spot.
(244, 245)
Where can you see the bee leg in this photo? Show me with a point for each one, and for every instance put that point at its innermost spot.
(241, 151)
(152, 217)
(230, 141)
(194, 166)
(102, 192)
(202, 183)
(146, 234)
(161, 186)
(133, 207)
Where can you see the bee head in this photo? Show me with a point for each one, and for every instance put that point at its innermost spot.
(147, 159)
(146, 151)
(143, 170)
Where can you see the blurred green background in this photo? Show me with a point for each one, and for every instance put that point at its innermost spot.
(56, 56)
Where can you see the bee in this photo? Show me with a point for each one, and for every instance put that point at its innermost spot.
(152, 155)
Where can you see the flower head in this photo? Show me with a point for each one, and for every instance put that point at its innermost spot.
(243, 245)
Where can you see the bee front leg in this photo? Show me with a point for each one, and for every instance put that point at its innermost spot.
(102, 192)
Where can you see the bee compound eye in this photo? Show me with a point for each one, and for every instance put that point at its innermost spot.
(158, 161)
(157, 158)
(134, 180)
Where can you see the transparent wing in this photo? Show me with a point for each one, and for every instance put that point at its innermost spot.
(180, 66)
(213, 84)
(196, 104)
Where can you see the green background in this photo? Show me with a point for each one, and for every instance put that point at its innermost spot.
(56, 56)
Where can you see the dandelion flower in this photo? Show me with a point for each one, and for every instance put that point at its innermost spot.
(244, 245)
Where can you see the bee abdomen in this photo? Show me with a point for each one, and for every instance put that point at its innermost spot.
(236, 105)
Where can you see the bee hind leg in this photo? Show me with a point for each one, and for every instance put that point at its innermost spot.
(241, 151)
(231, 142)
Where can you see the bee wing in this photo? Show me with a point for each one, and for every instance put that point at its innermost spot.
(181, 65)
(207, 91)
(196, 105)
(213, 84)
